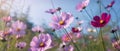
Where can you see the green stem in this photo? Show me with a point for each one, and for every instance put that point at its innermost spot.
(117, 36)
(88, 14)
(102, 39)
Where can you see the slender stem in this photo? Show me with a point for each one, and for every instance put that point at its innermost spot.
(116, 15)
(102, 39)
(117, 35)
(90, 17)
(52, 4)
(100, 5)
(71, 40)
(101, 29)
(55, 35)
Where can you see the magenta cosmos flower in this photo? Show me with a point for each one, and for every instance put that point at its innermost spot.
(21, 45)
(62, 21)
(38, 29)
(76, 29)
(41, 43)
(101, 21)
(111, 4)
(18, 28)
(80, 6)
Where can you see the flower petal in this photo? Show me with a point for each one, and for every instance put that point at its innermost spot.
(34, 42)
(56, 19)
(55, 26)
(95, 24)
(103, 16)
(96, 18)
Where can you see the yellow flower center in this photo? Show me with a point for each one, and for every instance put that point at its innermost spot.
(67, 38)
(61, 22)
(41, 44)
(18, 29)
(101, 21)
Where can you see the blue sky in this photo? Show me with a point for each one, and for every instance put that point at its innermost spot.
(38, 7)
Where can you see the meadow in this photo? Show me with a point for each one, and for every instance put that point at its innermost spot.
(94, 30)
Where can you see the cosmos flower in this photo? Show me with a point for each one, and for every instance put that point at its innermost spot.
(58, 9)
(101, 21)
(68, 48)
(76, 29)
(82, 5)
(5, 33)
(7, 19)
(114, 29)
(80, 22)
(1, 35)
(116, 44)
(91, 30)
(74, 36)
(111, 4)
(66, 38)
(64, 47)
(51, 11)
(62, 21)
(41, 43)
(21, 45)
(38, 29)
(18, 28)
(77, 35)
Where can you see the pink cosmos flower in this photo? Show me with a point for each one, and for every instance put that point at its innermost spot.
(116, 44)
(74, 36)
(101, 21)
(51, 11)
(80, 6)
(64, 47)
(1, 35)
(80, 22)
(7, 19)
(66, 38)
(41, 43)
(38, 29)
(68, 48)
(21, 45)
(62, 21)
(4, 33)
(77, 35)
(18, 28)
(59, 8)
